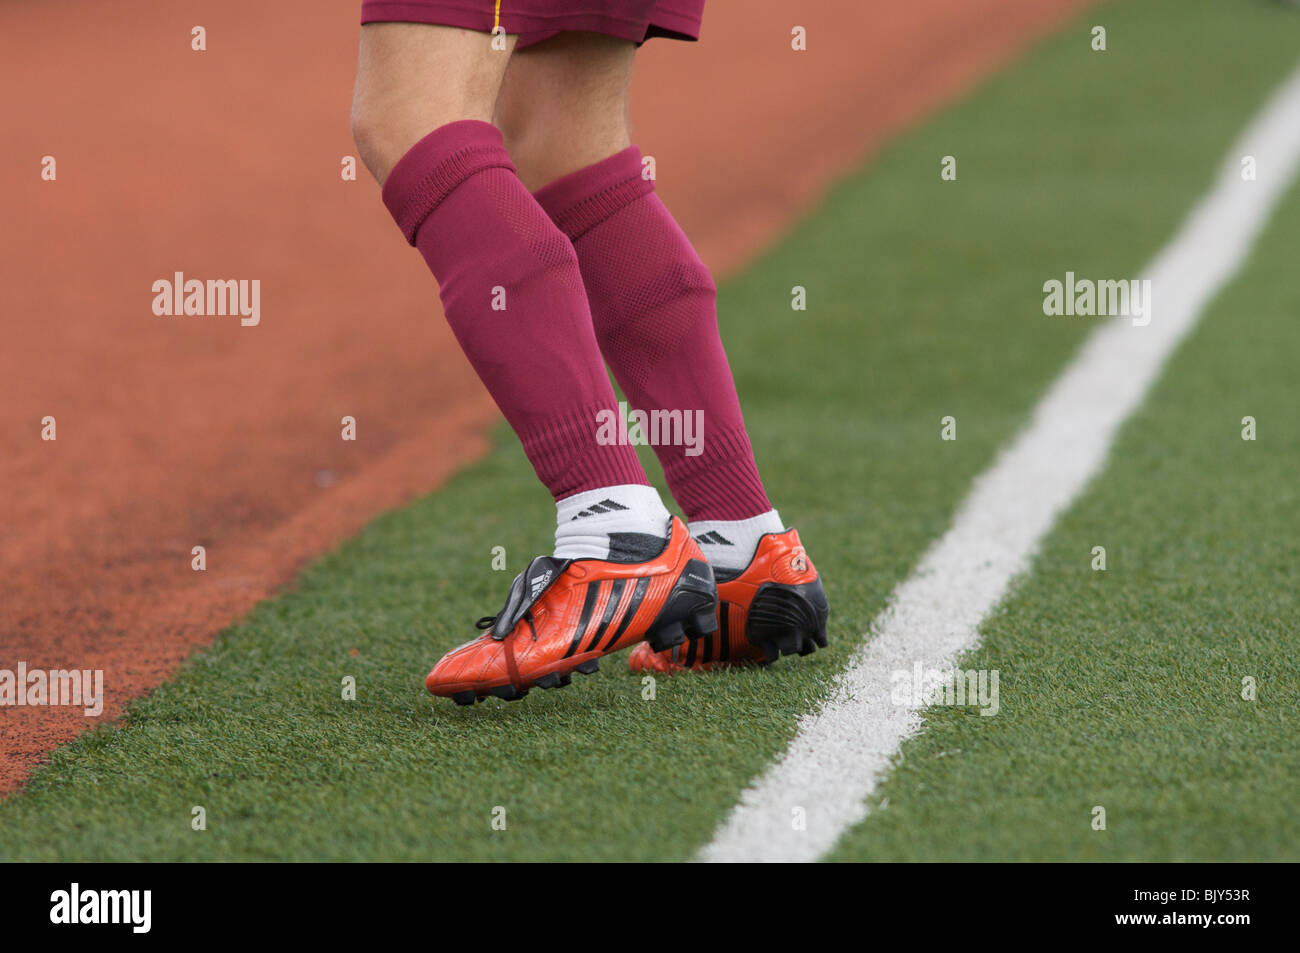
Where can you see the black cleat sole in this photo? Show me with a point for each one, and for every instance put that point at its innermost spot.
(787, 619)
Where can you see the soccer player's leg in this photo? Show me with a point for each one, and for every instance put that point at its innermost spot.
(564, 112)
(512, 292)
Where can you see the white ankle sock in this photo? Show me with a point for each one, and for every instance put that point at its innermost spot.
(627, 523)
(731, 544)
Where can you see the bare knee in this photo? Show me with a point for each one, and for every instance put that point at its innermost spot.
(383, 135)
(541, 156)
(563, 105)
(548, 144)
(413, 78)
(375, 146)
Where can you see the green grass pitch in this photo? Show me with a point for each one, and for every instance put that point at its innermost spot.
(1119, 689)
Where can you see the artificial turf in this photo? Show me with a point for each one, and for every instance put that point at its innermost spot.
(1165, 688)
(924, 300)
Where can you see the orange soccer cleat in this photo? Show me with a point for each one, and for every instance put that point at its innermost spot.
(562, 615)
(775, 606)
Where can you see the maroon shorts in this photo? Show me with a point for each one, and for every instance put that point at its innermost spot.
(537, 20)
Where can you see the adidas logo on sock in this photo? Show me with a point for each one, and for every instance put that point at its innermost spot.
(604, 506)
(714, 538)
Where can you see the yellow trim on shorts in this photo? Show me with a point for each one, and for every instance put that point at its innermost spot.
(496, 17)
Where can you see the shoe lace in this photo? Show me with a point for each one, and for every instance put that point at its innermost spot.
(490, 620)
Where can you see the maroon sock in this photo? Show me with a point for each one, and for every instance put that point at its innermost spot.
(457, 198)
(655, 310)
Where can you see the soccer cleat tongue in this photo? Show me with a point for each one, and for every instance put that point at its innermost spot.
(527, 587)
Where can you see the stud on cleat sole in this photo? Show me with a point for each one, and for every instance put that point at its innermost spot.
(589, 667)
(464, 698)
(706, 623)
(666, 636)
(788, 643)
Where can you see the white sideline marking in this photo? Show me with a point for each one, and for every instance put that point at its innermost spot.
(841, 751)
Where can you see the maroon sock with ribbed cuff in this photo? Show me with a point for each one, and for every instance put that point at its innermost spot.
(513, 294)
(655, 311)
